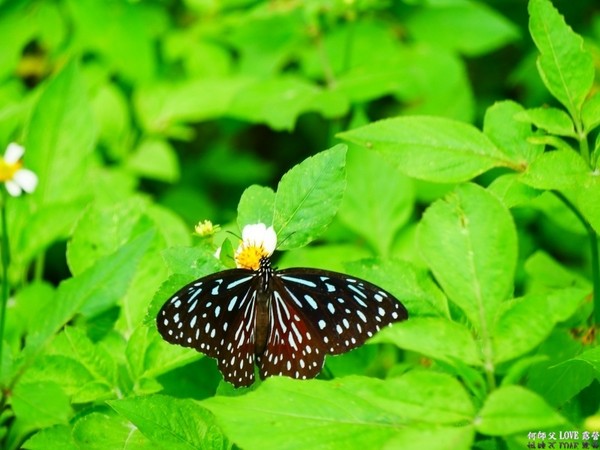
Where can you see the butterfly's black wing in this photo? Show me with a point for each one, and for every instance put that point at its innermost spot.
(313, 312)
(216, 315)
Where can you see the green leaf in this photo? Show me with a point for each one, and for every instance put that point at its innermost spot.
(413, 286)
(440, 438)
(193, 262)
(100, 365)
(469, 241)
(40, 404)
(559, 169)
(161, 107)
(552, 120)
(71, 375)
(94, 290)
(544, 273)
(119, 33)
(100, 431)
(256, 206)
(435, 337)
(379, 199)
(16, 29)
(510, 135)
(60, 139)
(521, 327)
(57, 437)
(155, 159)
(350, 413)
(586, 198)
(512, 191)
(111, 112)
(591, 357)
(101, 230)
(431, 148)
(308, 197)
(171, 422)
(560, 377)
(591, 112)
(149, 356)
(471, 28)
(566, 68)
(30, 303)
(277, 101)
(514, 409)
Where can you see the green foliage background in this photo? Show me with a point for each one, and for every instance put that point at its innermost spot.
(446, 150)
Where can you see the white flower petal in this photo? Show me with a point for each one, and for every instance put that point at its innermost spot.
(254, 232)
(270, 240)
(13, 188)
(14, 152)
(258, 235)
(26, 179)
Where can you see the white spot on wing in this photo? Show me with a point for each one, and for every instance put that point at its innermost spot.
(299, 281)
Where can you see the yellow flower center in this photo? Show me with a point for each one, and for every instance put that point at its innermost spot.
(249, 257)
(8, 170)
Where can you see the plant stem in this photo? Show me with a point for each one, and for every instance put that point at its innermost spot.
(593, 252)
(4, 260)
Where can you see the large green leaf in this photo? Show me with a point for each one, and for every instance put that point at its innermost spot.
(350, 413)
(514, 409)
(435, 337)
(468, 27)
(94, 358)
(256, 206)
(55, 437)
(172, 423)
(566, 68)
(559, 169)
(308, 197)
(559, 376)
(431, 148)
(553, 120)
(149, 356)
(60, 138)
(440, 438)
(521, 328)
(510, 135)
(120, 32)
(101, 230)
(379, 199)
(469, 241)
(62, 368)
(101, 431)
(40, 404)
(93, 291)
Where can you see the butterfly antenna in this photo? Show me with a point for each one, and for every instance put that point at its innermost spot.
(234, 234)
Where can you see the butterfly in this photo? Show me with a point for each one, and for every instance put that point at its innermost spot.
(283, 321)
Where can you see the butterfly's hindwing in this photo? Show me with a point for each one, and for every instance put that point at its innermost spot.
(216, 316)
(313, 312)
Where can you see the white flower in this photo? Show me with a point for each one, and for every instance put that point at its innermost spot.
(13, 175)
(258, 242)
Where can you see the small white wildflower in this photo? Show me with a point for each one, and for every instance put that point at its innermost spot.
(13, 175)
(258, 242)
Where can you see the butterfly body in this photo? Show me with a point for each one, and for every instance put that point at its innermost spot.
(284, 321)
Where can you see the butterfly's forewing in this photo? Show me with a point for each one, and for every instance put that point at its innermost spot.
(216, 315)
(313, 312)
